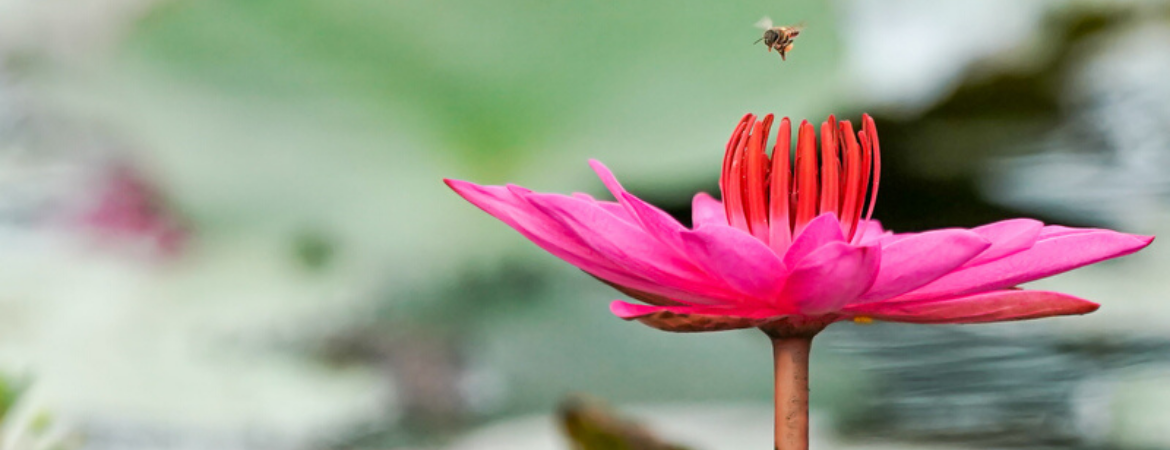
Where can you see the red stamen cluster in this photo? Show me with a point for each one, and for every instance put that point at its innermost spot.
(774, 198)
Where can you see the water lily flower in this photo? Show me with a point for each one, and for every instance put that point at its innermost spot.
(792, 247)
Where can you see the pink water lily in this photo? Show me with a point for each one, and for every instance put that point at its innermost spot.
(793, 243)
(792, 248)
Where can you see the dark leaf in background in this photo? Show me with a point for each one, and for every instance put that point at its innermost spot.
(589, 425)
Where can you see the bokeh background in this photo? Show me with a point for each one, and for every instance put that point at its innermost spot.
(223, 226)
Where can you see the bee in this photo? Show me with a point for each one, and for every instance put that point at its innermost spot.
(778, 38)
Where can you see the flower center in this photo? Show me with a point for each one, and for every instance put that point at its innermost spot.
(774, 198)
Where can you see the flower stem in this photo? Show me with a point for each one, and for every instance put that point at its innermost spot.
(791, 397)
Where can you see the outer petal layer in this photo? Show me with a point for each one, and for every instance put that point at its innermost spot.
(511, 206)
(690, 319)
(656, 222)
(623, 243)
(741, 260)
(634, 251)
(1007, 237)
(1046, 258)
(912, 262)
(997, 306)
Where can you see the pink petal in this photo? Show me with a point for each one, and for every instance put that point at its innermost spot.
(1007, 238)
(996, 306)
(705, 249)
(615, 189)
(509, 206)
(741, 260)
(656, 222)
(910, 263)
(1046, 258)
(705, 210)
(628, 310)
(611, 183)
(614, 208)
(819, 232)
(645, 297)
(831, 277)
(621, 242)
(504, 204)
(1054, 231)
(869, 231)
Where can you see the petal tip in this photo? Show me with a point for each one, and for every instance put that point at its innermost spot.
(466, 189)
(453, 183)
(623, 310)
(607, 178)
(982, 241)
(600, 168)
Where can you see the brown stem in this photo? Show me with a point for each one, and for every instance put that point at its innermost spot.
(791, 398)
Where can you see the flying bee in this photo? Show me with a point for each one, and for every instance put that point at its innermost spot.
(778, 38)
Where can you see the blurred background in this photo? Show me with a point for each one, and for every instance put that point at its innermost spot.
(223, 226)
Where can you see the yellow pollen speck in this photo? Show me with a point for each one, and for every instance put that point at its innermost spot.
(863, 320)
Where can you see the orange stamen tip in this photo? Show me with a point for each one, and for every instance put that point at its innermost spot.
(863, 320)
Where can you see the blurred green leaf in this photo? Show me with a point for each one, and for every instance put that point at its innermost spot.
(11, 391)
(41, 422)
(314, 248)
(498, 80)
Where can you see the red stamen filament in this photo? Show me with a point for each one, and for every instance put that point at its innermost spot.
(774, 198)
(780, 187)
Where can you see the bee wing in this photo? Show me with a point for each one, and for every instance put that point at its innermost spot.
(764, 23)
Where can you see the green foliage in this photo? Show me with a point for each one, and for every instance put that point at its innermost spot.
(11, 391)
(495, 79)
(38, 426)
(314, 249)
